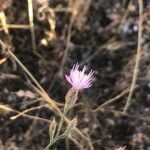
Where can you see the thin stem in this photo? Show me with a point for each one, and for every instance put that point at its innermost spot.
(18, 26)
(26, 71)
(67, 144)
(49, 145)
(138, 57)
(26, 111)
(60, 124)
(110, 101)
(24, 115)
(30, 11)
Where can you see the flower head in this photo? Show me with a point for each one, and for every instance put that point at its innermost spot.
(78, 79)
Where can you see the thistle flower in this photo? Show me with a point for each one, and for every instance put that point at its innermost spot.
(79, 79)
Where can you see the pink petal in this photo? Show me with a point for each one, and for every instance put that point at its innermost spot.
(68, 79)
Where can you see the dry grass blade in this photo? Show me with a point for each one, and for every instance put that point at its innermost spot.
(113, 99)
(138, 56)
(26, 111)
(17, 26)
(30, 11)
(25, 115)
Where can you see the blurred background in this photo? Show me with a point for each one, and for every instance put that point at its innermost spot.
(49, 37)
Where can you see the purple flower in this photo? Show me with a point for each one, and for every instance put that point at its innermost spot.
(78, 79)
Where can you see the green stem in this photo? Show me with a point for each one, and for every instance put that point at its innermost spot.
(61, 121)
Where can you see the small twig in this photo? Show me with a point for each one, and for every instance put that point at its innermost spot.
(113, 99)
(25, 115)
(26, 111)
(30, 11)
(17, 26)
(138, 56)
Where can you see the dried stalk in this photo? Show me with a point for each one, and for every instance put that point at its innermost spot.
(138, 57)
(30, 11)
